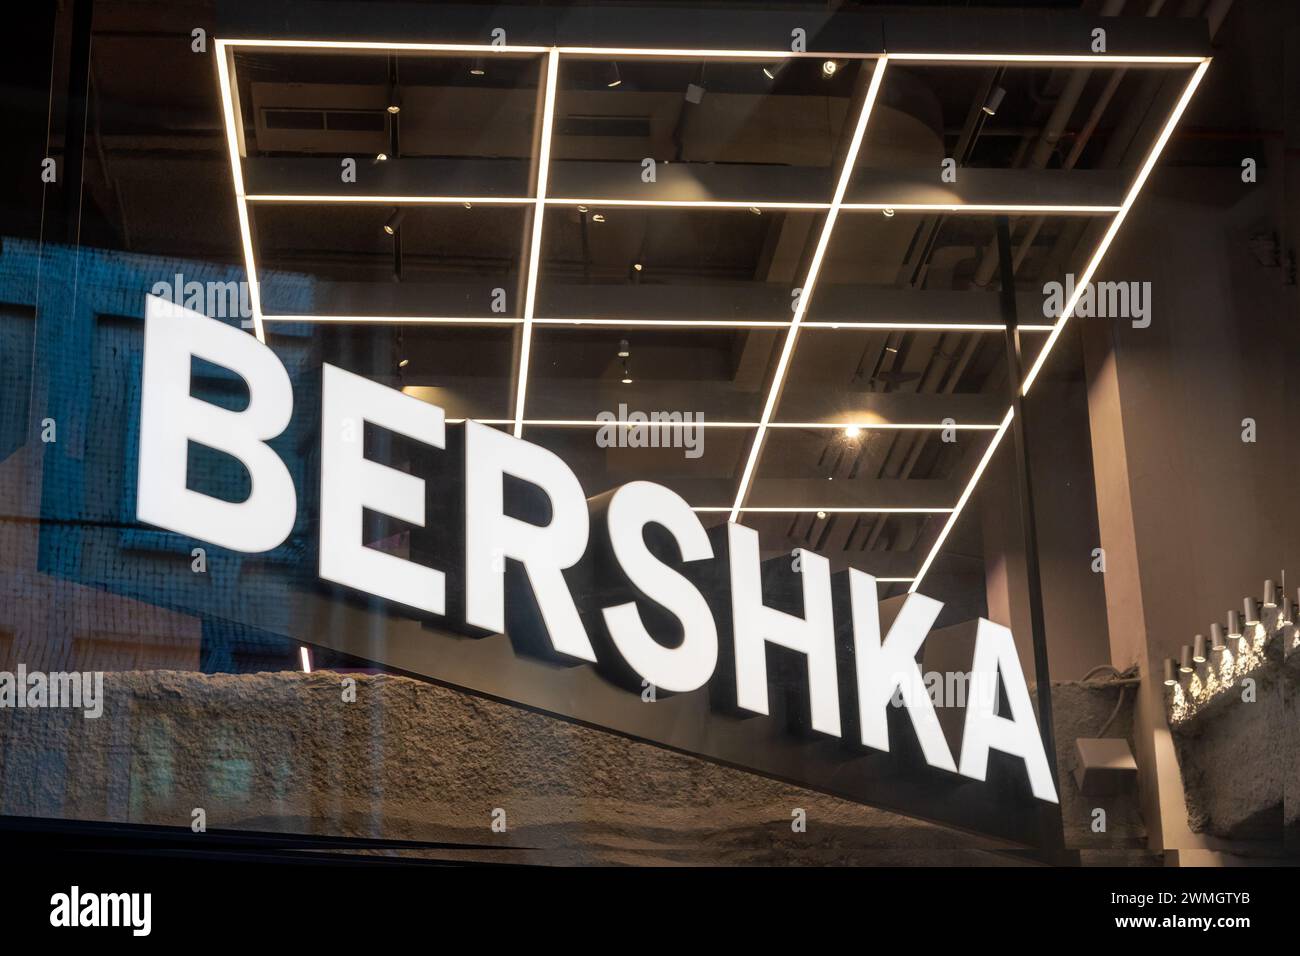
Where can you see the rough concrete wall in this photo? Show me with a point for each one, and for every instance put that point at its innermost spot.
(1291, 779)
(1237, 759)
(1234, 724)
(1081, 711)
(1233, 770)
(410, 760)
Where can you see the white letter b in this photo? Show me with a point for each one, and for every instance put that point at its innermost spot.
(170, 418)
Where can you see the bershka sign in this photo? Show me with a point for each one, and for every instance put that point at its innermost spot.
(505, 541)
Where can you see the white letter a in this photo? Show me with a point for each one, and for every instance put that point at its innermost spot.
(995, 653)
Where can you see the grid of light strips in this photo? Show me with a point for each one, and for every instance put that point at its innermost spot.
(225, 50)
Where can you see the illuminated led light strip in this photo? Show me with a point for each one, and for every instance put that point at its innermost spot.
(864, 426)
(979, 207)
(829, 510)
(810, 282)
(694, 203)
(416, 200)
(717, 54)
(883, 426)
(535, 245)
(323, 199)
(394, 319)
(507, 50)
(669, 323)
(225, 73)
(596, 423)
(961, 502)
(650, 323)
(1086, 278)
(382, 46)
(926, 326)
(1062, 58)
(331, 199)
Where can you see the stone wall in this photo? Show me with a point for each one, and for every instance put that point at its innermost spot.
(412, 760)
(1234, 723)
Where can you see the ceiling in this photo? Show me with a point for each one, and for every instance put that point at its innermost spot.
(721, 281)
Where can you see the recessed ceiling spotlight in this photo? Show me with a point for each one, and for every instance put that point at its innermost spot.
(821, 514)
(637, 266)
(991, 104)
(477, 68)
(394, 221)
(773, 70)
(469, 205)
(582, 209)
(403, 363)
(829, 68)
(889, 213)
(598, 217)
(853, 431)
(627, 379)
(611, 76)
(755, 210)
(379, 158)
(394, 108)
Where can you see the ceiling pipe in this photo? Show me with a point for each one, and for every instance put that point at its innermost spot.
(1121, 137)
(1047, 140)
(1080, 143)
(971, 130)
